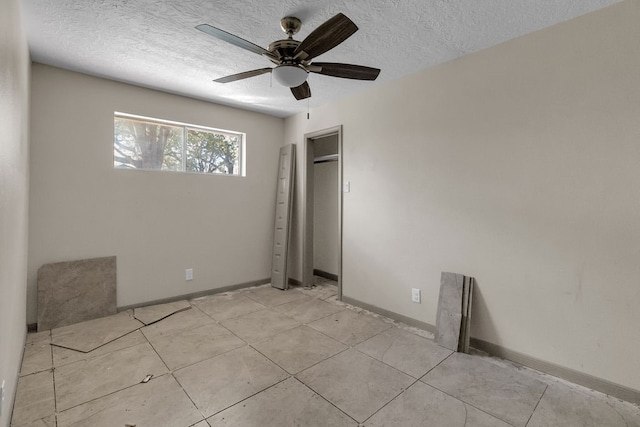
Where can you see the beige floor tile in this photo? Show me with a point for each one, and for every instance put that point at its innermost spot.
(37, 358)
(299, 348)
(154, 313)
(504, 393)
(34, 398)
(410, 353)
(64, 356)
(355, 383)
(288, 403)
(226, 306)
(160, 402)
(422, 405)
(259, 325)
(189, 346)
(250, 389)
(33, 337)
(350, 328)
(217, 383)
(187, 319)
(568, 406)
(82, 381)
(308, 309)
(89, 335)
(49, 421)
(321, 290)
(270, 296)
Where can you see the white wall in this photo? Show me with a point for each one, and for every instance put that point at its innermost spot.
(156, 223)
(519, 165)
(325, 217)
(14, 187)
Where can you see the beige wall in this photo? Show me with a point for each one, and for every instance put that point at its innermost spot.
(157, 223)
(519, 165)
(14, 187)
(325, 215)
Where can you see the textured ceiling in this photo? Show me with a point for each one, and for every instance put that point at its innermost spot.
(153, 43)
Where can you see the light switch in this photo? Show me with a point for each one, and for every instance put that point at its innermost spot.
(346, 187)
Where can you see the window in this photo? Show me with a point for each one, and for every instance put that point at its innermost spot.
(153, 144)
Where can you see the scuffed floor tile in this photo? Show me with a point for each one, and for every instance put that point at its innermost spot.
(82, 381)
(504, 393)
(299, 348)
(154, 313)
(350, 328)
(226, 306)
(355, 383)
(89, 335)
(422, 405)
(194, 345)
(217, 383)
(288, 403)
(259, 325)
(34, 398)
(160, 402)
(410, 353)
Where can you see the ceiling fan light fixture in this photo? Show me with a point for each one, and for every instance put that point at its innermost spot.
(290, 75)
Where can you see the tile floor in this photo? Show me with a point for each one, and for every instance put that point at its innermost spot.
(264, 357)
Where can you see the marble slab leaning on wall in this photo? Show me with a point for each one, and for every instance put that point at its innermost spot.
(453, 318)
(75, 291)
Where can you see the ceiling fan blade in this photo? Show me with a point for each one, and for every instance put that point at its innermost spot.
(346, 71)
(234, 40)
(326, 37)
(301, 92)
(245, 75)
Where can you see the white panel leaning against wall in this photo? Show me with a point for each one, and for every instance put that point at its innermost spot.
(154, 144)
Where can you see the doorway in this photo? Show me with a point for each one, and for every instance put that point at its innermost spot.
(323, 159)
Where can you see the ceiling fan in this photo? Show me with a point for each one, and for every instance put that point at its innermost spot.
(293, 58)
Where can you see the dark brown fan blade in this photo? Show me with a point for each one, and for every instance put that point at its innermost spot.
(245, 75)
(326, 37)
(346, 71)
(301, 92)
(234, 40)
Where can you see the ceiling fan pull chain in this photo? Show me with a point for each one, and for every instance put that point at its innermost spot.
(308, 102)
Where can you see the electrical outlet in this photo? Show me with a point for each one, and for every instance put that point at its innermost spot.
(188, 274)
(2, 397)
(415, 295)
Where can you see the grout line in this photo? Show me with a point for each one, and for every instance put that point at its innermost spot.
(466, 403)
(158, 354)
(437, 364)
(326, 400)
(389, 402)
(55, 396)
(249, 397)
(96, 355)
(114, 392)
(537, 404)
(204, 418)
(323, 360)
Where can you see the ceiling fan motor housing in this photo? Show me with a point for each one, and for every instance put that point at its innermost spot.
(284, 49)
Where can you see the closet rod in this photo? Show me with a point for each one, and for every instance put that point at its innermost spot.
(327, 158)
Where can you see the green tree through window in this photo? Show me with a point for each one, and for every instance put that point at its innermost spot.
(210, 152)
(140, 143)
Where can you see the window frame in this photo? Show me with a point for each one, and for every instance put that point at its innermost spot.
(242, 141)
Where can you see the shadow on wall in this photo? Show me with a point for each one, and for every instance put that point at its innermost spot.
(480, 315)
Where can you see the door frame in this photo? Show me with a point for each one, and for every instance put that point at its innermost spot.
(307, 204)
